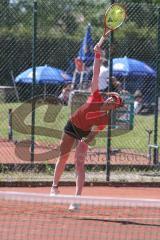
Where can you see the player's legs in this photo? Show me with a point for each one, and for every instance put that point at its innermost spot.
(80, 155)
(65, 148)
(80, 174)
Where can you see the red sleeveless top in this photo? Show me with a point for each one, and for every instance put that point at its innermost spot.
(92, 105)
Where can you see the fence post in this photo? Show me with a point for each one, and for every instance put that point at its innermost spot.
(157, 88)
(109, 120)
(34, 36)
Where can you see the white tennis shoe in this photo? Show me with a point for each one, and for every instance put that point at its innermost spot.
(74, 207)
(54, 191)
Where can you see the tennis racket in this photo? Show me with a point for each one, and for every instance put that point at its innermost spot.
(114, 17)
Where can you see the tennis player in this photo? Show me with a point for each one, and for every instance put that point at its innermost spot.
(83, 126)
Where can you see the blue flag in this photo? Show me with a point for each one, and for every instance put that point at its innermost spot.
(86, 52)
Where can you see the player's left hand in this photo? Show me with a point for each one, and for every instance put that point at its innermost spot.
(118, 101)
(113, 101)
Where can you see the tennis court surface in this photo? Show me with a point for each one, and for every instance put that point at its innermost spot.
(27, 215)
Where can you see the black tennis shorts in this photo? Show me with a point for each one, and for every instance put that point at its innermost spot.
(75, 132)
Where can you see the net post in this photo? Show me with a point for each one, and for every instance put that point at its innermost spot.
(10, 129)
(155, 152)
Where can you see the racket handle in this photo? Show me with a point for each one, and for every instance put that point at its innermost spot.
(101, 41)
(103, 38)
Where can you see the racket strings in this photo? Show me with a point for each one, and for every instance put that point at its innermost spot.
(115, 16)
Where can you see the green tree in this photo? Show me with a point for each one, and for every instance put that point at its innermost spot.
(4, 8)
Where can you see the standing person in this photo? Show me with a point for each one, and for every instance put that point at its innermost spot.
(83, 126)
(138, 102)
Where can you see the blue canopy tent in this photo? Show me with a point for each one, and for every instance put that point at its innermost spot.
(134, 75)
(44, 75)
(130, 67)
(49, 80)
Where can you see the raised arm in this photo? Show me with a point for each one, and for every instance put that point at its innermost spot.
(96, 68)
(97, 64)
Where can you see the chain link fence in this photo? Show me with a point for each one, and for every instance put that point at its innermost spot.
(54, 39)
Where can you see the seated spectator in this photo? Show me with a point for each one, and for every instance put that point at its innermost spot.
(64, 96)
(116, 85)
